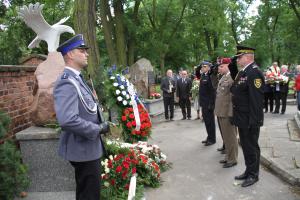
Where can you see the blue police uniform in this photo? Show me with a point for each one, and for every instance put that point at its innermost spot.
(81, 121)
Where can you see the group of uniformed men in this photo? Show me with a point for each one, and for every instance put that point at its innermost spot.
(238, 104)
(232, 90)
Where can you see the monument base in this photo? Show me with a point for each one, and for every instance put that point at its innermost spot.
(155, 108)
(47, 171)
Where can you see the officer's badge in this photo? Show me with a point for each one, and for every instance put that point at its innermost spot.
(257, 83)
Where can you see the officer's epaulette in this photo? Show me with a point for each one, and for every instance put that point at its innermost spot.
(65, 75)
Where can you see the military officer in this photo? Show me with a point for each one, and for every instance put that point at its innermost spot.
(247, 98)
(80, 119)
(207, 96)
(223, 110)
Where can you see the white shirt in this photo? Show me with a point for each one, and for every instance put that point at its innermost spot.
(73, 70)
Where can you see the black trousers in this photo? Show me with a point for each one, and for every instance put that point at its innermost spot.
(269, 99)
(169, 106)
(185, 105)
(277, 101)
(87, 176)
(209, 121)
(249, 142)
(283, 97)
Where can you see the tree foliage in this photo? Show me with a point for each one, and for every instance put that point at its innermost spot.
(170, 33)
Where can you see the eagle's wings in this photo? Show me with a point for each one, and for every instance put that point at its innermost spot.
(32, 16)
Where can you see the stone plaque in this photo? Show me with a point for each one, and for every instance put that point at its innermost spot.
(151, 78)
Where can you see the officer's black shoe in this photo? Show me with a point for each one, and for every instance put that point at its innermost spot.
(208, 143)
(227, 165)
(249, 181)
(221, 148)
(204, 141)
(275, 112)
(241, 177)
(223, 161)
(282, 113)
(183, 118)
(189, 118)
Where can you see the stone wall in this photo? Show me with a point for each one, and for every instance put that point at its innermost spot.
(16, 85)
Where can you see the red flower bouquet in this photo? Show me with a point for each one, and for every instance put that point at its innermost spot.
(129, 124)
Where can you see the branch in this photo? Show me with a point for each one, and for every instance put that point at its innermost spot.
(149, 17)
(293, 6)
(179, 21)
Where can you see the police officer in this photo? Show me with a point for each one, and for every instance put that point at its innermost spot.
(80, 119)
(247, 98)
(207, 96)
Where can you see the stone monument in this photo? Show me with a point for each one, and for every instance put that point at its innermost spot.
(47, 172)
(139, 73)
(142, 76)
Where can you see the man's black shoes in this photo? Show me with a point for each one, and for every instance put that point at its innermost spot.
(183, 118)
(227, 165)
(223, 161)
(208, 143)
(221, 148)
(249, 181)
(204, 141)
(241, 177)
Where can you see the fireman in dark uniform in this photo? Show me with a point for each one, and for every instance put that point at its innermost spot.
(207, 97)
(247, 98)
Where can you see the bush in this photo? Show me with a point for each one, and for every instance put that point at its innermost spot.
(13, 174)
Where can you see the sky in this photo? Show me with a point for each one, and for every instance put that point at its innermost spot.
(253, 8)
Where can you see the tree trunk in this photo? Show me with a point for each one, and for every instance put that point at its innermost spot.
(132, 35)
(105, 15)
(233, 28)
(85, 23)
(120, 33)
(208, 43)
(162, 62)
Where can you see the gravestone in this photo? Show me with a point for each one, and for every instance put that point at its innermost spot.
(139, 76)
(151, 83)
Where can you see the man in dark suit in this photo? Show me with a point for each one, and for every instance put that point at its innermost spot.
(168, 87)
(81, 120)
(284, 87)
(207, 96)
(247, 99)
(184, 95)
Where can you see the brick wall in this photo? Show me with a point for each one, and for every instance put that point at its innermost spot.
(16, 85)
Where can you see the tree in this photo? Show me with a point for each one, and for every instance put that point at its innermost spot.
(165, 19)
(85, 22)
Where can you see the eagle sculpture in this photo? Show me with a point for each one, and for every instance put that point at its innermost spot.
(32, 16)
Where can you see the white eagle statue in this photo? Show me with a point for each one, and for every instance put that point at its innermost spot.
(32, 16)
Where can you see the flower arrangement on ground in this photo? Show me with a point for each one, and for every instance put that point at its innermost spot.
(125, 160)
(155, 95)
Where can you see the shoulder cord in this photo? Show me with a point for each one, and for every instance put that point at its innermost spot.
(87, 108)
